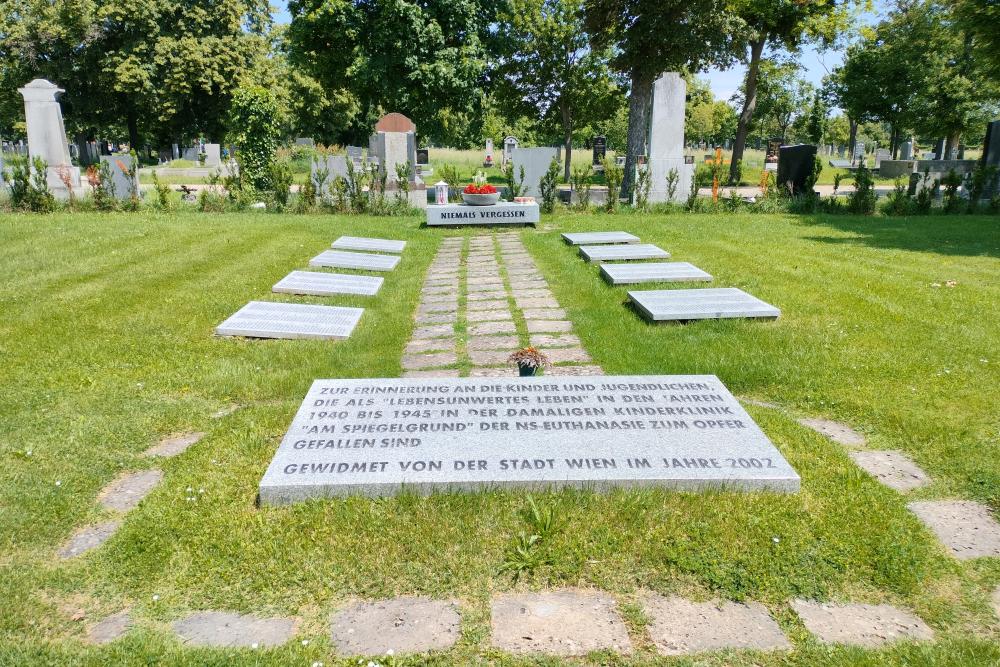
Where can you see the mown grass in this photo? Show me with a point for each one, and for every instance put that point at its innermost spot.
(107, 346)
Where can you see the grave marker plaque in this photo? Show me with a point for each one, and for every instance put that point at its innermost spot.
(355, 260)
(653, 272)
(264, 319)
(598, 238)
(700, 304)
(318, 283)
(610, 253)
(378, 437)
(372, 245)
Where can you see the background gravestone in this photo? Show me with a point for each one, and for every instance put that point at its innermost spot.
(991, 155)
(509, 144)
(906, 150)
(213, 155)
(47, 134)
(309, 142)
(122, 185)
(666, 139)
(795, 165)
(536, 162)
(600, 149)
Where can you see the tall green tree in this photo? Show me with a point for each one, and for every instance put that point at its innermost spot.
(650, 37)
(552, 69)
(980, 19)
(424, 59)
(779, 24)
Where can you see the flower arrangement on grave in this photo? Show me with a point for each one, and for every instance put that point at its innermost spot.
(479, 186)
(528, 360)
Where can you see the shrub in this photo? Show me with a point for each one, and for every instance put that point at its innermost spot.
(281, 182)
(356, 196)
(579, 183)
(643, 184)
(952, 182)
(613, 178)
(977, 182)
(673, 178)
(162, 193)
(29, 187)
(102, 186)
(547, 187)
(449, 174)
(862, 200)
(403, 183)
(898, 202)
(810, 182)
(338, 191)
(515, 188)
(255, 129)
(307, 197)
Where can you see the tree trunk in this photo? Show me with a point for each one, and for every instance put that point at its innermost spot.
(852, 140)
(133, 131)
(894, 141)
(567, 119)
(638, 128)
(749, 104)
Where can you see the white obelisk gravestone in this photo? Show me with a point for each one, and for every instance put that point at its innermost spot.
(666, 138)
(47, 134)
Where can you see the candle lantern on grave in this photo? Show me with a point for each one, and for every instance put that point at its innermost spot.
(441, 192)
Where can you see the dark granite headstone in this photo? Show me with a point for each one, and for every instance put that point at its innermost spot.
(795, 165)
(991, 154)
(423, 156)
(600, 149)
(939, 150)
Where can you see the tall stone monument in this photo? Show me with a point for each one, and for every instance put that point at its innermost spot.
(991, 155)
(395, 142)
(535, 162)
(47, 134)
(666, 139)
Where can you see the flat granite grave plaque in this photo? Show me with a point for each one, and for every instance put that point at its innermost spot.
(653, 272)
(612, 253)
(597, 238)
(264, 319)
(502, 213)
(700, 304)
(318, 283)
(377, 437)
(372, 245)
(355, 260)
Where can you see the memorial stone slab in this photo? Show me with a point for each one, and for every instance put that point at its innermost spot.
(371, 245)
(795, 164)
(535, 162)
(598, 238)
(318, 283)
(377, 437)
(502, 213)
(339, 259)
(653, 272)
(700, 304)
(262, 319)
(611, 253)
(122, 186)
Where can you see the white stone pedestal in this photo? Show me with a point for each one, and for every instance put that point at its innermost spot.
(47, 134)
(502, 213)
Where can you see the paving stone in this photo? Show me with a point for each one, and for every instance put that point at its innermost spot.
(527, 302)
(574, 370)
(564, 623)
(413, 362)
(110, 628)
(996, 601)
(442, 297)
(528, 293)
(559, 340)
(174, 444)
(520, 285)
(488, 287)
(489, 357)
(436, 318)
(510, 343)
(492, 373)
(486, 296)
(437, 289)
(401, 625)
(563, 354)
(544, 313)
(225, 412)
(892, 468)
(89, 537)
(549, 326)
(226, 629)
(487, 304)
(128, 491)
(489, 328)
(439, 373)
(680, 626)
(435, 331)
(836, 431)
(489, 315)
(965, 527)
(860, 624)
(449, 306)
(430, 345)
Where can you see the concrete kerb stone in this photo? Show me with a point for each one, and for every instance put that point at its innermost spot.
(400, 625)
(864, 625)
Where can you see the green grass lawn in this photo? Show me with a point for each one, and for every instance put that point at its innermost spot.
(106, 341)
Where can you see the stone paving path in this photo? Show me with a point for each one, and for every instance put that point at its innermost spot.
(480, 302)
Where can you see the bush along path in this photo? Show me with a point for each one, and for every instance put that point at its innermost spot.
(481, 302)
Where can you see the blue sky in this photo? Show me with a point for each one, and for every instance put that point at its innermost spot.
(724, 82)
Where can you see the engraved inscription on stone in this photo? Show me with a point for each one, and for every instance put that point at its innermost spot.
(612, 253)
(503, 213)
(380, 436)
(652, 272)
(597, 238)
(368, 244)
(262, 319)
(318, 283)
(355, 260)
(700, 304)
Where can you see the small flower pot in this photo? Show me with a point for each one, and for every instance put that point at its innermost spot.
(525, 371)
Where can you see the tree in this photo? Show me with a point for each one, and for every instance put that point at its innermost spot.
(551, 68)
(980, 19)
(255, 128)
(779, 23)
(424, 59)
(817, 119)
(782, 97)
(651, 37)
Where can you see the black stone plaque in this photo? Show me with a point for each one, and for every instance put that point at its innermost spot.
(795, 165)
(600, 149)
